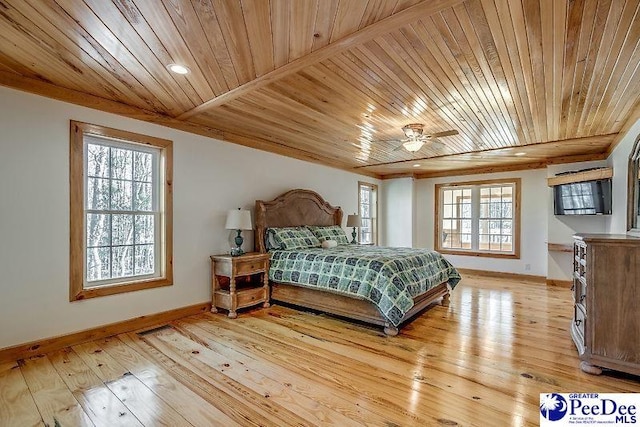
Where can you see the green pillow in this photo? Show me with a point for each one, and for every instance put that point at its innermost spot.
(330, 232)
(292, 238)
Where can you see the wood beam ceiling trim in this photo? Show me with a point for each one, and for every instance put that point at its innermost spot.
(583, 140)
(419, 11)
(577, 158)
(511, 168)
(483, 170)
(399, 175)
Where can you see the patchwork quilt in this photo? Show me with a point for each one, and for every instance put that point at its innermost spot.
(387, 277)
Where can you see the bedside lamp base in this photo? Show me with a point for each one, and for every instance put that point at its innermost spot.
(353, 236)
(237, 251)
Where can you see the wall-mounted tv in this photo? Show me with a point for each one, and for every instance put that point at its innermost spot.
(583, 198)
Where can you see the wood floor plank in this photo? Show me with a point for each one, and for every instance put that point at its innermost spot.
(52, 396)
(147, 407)
(288, 358)
(559, 358)
(17, 407)
(377, 385)
(187, 403)
(238, 406)
(351, 405)
(282, 394)
(483, 360)
(497, 372)
(396, 375)
(102, 406)
(260, 403)
(400, 360)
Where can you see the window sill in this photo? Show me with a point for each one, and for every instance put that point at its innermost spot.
(101, 291)
(478, 254)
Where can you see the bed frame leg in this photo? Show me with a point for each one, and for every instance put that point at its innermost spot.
(446, 299)
(589, 368)
(390, 330)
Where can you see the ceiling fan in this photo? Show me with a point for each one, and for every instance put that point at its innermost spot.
(415, 137)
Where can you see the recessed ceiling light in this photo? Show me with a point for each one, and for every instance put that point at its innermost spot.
(522, 153)
(178, 69)
(417, 165)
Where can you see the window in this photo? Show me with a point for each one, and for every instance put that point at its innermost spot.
(633, 195)
(479, 218)
(368, 205)
(121, 222)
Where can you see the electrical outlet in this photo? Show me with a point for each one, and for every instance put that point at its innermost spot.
(527, 267)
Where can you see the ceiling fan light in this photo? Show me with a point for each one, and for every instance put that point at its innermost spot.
(413, 130)
(413, 145)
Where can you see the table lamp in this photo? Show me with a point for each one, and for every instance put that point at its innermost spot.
(238, 219)
(353, 221)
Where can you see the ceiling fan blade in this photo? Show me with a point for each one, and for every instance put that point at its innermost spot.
(378, 141)
(445, 133)
(437, 144)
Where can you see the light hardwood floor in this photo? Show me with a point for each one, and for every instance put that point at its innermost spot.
(481, 361)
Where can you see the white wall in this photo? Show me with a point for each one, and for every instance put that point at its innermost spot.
(398, 212)
(619, 161)
(210, 177)
(534, 201)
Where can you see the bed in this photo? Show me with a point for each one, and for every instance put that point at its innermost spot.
(298, 208)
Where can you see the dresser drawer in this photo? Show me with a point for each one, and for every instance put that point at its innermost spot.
(248, 297)
(250, 267)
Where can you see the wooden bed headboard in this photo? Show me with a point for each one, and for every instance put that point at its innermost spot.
(293, 209)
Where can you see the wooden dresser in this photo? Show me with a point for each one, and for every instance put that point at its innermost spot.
(606, 292)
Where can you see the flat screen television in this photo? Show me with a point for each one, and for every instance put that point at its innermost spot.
(583, 198)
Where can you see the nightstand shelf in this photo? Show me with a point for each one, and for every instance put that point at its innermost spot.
(239, 282)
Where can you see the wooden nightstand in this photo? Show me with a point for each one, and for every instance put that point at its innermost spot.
(239, 281)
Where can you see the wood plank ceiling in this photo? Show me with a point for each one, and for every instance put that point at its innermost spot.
(334, 81)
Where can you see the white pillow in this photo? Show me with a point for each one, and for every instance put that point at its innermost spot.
(326, 244)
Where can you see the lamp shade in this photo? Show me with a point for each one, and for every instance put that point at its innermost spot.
(353, 220)
(238, 219)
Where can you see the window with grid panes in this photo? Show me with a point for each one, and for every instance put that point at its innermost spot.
(368, 206)
(479, 218)
(120, 234)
